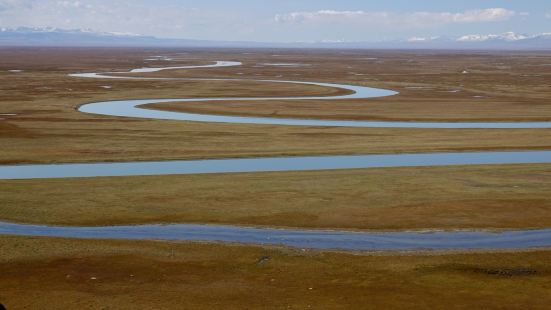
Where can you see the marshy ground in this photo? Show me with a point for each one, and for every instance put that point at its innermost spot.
(39, 124)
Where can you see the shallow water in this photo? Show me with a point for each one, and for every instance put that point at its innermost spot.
(320, 239)
(216, 65)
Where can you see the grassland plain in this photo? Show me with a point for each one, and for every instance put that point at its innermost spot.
(92, 274)
(66, 274)
(491, 197)
(47, 127)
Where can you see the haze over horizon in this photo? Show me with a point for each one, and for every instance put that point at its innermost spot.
(283, 21)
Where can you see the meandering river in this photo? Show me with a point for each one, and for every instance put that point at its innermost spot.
(344, 240)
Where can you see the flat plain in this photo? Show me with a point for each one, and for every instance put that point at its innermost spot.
(40, 124)
(47, 128)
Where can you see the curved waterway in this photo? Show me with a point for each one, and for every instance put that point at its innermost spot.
(319, 239)
(131, 108)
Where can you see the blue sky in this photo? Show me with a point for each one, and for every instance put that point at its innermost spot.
(284, 20)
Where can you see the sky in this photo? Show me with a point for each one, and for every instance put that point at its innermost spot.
(284, 20)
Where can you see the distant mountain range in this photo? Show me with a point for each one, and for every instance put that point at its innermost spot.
(24, 36)
(508, 40)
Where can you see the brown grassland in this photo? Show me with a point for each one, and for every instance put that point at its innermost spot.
(491, 197)
(48, 129)
(40, 273)
(48, 273)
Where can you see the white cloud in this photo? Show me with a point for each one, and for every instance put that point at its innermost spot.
(548, 15)
(405, 19)
(172, 19)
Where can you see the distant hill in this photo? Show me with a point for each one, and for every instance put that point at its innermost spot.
(508, 40)
(24, 36)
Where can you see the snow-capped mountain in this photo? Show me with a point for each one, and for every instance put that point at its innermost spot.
(46, 30)
(49, 36)
(423, 39)
(508, 37)
(25, 36)
(508, 40)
